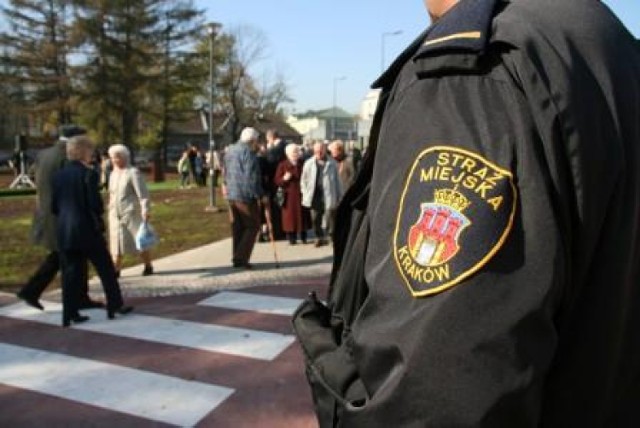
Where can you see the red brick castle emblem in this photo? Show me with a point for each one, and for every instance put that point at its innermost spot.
(433, 239)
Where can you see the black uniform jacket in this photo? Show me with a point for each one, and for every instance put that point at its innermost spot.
(77, 203)
(487, 260)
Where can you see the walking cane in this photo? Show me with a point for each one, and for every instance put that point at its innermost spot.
(267, 217)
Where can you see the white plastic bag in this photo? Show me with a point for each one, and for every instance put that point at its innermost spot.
(146, 237)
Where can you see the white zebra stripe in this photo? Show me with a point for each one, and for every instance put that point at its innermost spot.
(144, 394)
(207, 337)
(253, 302)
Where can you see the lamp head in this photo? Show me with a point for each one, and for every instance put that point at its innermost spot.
(213, 28)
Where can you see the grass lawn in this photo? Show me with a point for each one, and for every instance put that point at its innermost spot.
(178, 216)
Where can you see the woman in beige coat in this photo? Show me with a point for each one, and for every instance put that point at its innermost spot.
(128, 207)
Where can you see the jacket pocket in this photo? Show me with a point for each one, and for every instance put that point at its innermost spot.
(330, 370)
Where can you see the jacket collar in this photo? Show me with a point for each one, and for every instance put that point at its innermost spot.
(462, 32)
(465, 27)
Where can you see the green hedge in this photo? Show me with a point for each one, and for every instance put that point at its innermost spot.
(7, 193)
(165, 185)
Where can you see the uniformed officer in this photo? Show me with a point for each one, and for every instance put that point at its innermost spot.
(487, 258)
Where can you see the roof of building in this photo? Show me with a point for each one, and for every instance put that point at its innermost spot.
(195, 122)
(330, 113)
(267, 122)
(192, 122)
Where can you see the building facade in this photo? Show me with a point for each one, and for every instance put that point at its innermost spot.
(329, 124)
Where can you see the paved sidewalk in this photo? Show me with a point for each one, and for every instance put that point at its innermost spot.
(208, 268)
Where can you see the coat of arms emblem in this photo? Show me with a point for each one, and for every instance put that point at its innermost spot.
(433, 240)
(455, 212)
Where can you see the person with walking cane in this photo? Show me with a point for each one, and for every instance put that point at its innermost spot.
(242, 187)
(269, 222)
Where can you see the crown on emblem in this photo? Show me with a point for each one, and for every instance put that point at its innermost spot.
(451, 198)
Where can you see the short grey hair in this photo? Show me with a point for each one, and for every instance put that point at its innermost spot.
(77, 147)
(121, 151)
(291, 148)
(249, 134)
(336, 145)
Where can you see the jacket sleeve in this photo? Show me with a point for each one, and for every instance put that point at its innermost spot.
(140, 187)
(255, 175)
(94, 199)
(93, 194)
(278, 177)
(55, 209)
(338, 182)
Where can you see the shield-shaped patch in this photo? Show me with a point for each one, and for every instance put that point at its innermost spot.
(456, 211)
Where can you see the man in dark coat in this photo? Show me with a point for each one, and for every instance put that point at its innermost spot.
(487, 258)
(49, 161)
(76, 201)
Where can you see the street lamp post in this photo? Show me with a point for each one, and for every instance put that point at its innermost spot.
(335, 105)
(212, 29)
(383, 37)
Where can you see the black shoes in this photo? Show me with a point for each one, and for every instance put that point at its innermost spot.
(90, 304)
(76, 319)
(148, 270)
(240, 265)
(31, 301)
(122, 310)
(321, 242)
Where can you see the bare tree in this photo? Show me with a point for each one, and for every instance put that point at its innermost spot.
(274, 94)
(246, 48)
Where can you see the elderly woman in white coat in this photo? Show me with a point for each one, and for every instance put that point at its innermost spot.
(129, 206)
(321, 191)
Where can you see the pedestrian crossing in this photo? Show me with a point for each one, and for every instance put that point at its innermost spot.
(136, 389)
(249, 302)
(227, 340)
(147, 395)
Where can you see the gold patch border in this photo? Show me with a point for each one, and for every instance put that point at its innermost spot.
(489, 255)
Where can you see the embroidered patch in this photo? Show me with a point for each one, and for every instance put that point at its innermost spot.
(456, 211)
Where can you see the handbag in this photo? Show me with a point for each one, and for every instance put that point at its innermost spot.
(146, 237)
(281, 197)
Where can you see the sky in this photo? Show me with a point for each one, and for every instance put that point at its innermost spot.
(313, 43)
(322, 45)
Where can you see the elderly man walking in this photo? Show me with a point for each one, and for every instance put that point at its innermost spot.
(242, 187)
(321, 191)
(49, 161)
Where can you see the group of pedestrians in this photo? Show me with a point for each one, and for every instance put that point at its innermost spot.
(69, 223)
(290, 191)
(193, 167)
(275, 183)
